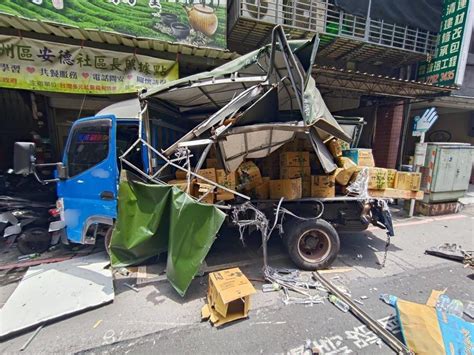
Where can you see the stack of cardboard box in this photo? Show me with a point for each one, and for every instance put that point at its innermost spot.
(293, 172)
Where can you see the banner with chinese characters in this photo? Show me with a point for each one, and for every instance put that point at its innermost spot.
(446, 67)
(199, 23)
(46, 66)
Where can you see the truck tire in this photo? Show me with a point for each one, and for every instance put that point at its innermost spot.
(33, 240)
(312, 244)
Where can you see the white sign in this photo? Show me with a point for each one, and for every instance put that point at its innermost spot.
(423, 124)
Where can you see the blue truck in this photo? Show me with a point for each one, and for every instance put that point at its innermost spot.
(245, 109)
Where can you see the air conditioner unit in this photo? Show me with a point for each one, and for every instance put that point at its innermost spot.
(269, 11)
(306, 14)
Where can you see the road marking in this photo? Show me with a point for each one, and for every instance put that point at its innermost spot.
(423, 221)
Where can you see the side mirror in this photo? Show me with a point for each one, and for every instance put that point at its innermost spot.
(23, 157)
(62, 171)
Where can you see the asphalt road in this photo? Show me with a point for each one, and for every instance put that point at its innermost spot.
(157, 319)
(285, 329)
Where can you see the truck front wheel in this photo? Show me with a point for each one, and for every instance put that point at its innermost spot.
(312, 244)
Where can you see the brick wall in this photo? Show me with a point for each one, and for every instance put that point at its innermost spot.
(387, 135)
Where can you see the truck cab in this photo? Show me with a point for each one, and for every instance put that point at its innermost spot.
(88, 183)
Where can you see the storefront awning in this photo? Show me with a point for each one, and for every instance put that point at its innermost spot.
(372, 84)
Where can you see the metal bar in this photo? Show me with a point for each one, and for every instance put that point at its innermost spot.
(30, 339)
(372, 324)
(194, 174)
(203, 157)
(209, 97)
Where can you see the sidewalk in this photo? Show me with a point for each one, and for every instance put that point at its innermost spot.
(157, 306)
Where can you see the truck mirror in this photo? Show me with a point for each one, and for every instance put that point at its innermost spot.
(23, 157)
(62, 171)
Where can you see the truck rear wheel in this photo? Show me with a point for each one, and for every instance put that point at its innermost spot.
(312, 244)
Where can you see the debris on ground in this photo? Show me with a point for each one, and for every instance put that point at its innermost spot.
(434, 330)
(343, 302)
(51, 291)
(450, 251)
(30, 339)
(131, 287)
(228, 297)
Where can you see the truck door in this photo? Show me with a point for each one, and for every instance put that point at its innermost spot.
(89, 192)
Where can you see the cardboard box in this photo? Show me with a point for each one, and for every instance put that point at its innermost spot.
(262, 191)
(202, 189)
(360, 156)
(407, 181)
(345, 162)
(180, 175)
(249, 175)
(294, 172)
(377, 178)
(209, 174)
(306, 187)
(224, 196)
(228, 297)
(391, 178)
(212, 163)
(270, 165)
(227, 180)
(294, 159)
(323, 186)
(183, 185)
(334, 147)
(290, 189)
(343, 176)
(396, 193)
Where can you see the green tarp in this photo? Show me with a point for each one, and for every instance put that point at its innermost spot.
(156, 218)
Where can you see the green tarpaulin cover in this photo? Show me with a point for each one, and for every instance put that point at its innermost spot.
(156, 218)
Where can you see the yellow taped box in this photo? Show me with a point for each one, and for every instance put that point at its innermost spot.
(345, 162)
(334, 146)
(290, 189)
(407, 181)
(227, 180)
(343, 176)
(396, 193)
(378, 178)
(183, 185)
(323, 186)
(262, 191)
(294, 172)
(228, 297)
(207, 191)
(249, 175)
(294, 159)
(360, 156)
(209, 174)
(391, 178)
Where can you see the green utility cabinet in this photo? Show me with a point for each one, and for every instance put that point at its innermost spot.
(446, 171)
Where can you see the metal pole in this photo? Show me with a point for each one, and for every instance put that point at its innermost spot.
(406, 120)
(367, 24)
(417, 170)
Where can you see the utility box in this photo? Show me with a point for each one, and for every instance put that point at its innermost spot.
(446, 171)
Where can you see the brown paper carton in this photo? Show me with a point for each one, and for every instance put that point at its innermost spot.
(345, 162)
(262, 191)
(227, 180)
(212, 163)
(181, 175)
(343, 176)
(407, 181)
(290, 189)
(202, 189)
(249, 175)
(306, 187)
(294, 172)
(323, 186)
(334, 146)
(294, 159)
(209, 174)
(391, 178)
(377, 178)
(360, 156)
(228, 297)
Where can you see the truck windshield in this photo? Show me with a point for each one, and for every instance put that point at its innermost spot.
(89, 146)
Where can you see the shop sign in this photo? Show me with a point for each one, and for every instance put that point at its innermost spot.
(198, 24)
(448, 63)
(46, 66)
